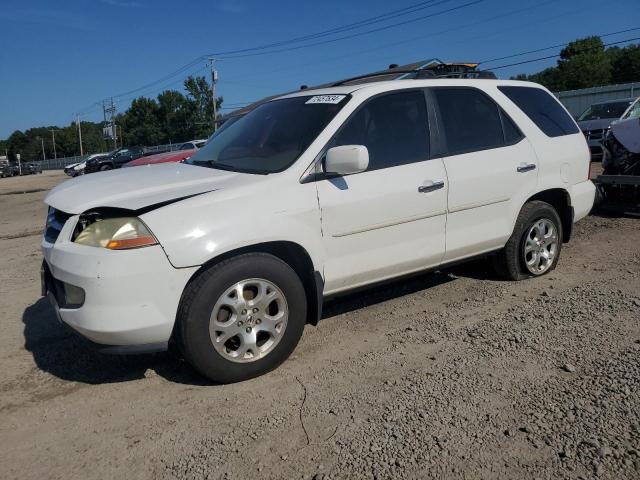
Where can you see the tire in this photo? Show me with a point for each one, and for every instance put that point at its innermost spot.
(104, 168)
(511, 261)
(203, 297)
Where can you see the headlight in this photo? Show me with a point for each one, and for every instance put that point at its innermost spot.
(116, 234)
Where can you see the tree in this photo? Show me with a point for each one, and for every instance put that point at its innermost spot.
(584, 63)
(199, 92)
(176, 113)
(172, 117)
(16, 142)
(625, 64)
(550, 78)
(140, 123)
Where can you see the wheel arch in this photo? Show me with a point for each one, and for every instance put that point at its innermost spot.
(559, 199)
(294, 255)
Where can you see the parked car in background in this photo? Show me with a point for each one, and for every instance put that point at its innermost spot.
(31, 168)
(167, 157)
(596, 119)
(78, 168)
(307, 196)
(192, 144)
(185, 151)
(6, 170)
(115, 159)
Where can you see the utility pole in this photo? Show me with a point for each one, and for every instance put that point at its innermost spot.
(109, 112)
(214, 80)
(79, 133)
(53, 140)
(42, 141)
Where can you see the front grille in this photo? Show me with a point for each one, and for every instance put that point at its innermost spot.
(55, 221)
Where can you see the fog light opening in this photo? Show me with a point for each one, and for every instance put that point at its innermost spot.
(73, 296)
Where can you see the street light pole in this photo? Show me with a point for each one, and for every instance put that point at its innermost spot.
(53, 140)
(42, 141)
(214, 80)
(79, 133)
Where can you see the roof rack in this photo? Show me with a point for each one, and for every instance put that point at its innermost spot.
(373, 75)
(419, 74)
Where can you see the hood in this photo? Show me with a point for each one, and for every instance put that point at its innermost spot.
(599, 124)
(135, 188)
(627, 132)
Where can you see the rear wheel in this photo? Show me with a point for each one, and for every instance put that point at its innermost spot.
(104, 168)
(242, 317)
(534, 247)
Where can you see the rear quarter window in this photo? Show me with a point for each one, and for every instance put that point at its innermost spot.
(543, 110)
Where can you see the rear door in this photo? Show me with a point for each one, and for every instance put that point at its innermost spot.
(491, 168)
(391, 218)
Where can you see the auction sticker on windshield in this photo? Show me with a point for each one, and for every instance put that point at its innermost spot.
(326, 99)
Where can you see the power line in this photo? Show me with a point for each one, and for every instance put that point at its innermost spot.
(420, 37)
(371, 20)
(557, 55)
(359, 34)
(389, 15)
(351, 26)
(556, 46)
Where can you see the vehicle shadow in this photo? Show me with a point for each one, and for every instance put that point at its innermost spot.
(480, 269)
(59, 351)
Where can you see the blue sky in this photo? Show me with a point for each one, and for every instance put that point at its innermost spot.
(60, 57)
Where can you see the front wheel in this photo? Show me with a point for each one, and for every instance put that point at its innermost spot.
(534, 247)
(242, 317)
(104, 168)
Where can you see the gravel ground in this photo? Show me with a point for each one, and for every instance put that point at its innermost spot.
(454, 374)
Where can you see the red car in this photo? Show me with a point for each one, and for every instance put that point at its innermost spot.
(185, 151)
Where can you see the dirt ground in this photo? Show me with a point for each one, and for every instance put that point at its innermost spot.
(454, 374)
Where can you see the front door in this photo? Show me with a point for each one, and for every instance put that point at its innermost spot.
(390, 219)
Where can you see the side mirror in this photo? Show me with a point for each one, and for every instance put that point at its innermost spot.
(346, 159)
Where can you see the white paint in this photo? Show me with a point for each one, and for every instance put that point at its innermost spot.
(357, 229)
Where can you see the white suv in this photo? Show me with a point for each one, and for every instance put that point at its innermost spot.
(314, 193)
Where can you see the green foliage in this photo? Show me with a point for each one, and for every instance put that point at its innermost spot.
(625, 64)
(173, 117)
(587, 63)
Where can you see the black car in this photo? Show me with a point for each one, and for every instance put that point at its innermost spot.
(31, 168)
(6, 170)
(114, 160)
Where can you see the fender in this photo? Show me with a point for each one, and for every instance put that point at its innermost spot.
(196, 230)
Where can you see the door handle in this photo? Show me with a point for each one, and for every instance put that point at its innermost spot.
(526, 167)
(431, 187)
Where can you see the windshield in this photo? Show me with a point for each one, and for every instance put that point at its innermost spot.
(604, 110)
(634, 111)
(270, 138)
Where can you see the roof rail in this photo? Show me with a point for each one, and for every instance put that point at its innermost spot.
(373, 75)
(417, 74)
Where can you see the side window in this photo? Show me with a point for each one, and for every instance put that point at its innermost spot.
(543, 110)
(512, 133)
(471, 120)
(393, 127)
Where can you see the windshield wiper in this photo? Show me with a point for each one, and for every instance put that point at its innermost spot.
(231, 168)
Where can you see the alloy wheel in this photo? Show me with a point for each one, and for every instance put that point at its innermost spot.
(248, 320)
